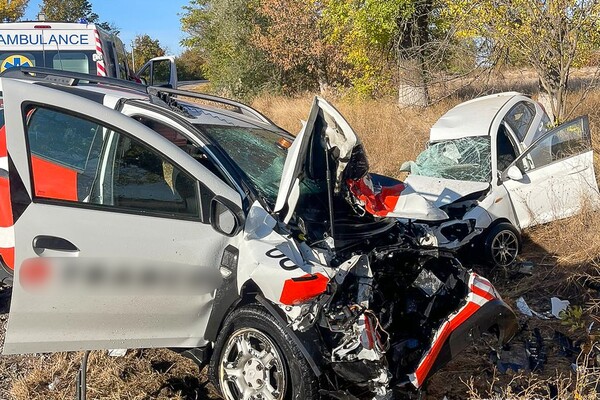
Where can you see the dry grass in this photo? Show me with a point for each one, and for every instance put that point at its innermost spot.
(580, 385)
(140, 374)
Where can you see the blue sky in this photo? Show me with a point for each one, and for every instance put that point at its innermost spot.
(159, 19)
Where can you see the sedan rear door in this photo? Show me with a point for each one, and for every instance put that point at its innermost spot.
(554, 177)
(114, 248)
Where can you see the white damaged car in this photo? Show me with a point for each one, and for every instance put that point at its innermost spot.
(143, 221)
(494, 169)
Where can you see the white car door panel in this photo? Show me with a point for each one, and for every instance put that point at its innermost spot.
(122, 239)
(558, 175)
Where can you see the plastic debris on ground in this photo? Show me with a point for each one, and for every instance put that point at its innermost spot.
(117, 352)
(566, 346)
(526, 268)
(52, 385)
(512, 357)
(558, 305)
(526, 310)
(536, 352)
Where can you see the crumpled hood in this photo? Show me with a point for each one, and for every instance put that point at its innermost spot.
(443, 191)
(326, 127)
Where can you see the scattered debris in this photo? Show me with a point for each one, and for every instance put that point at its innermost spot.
(536, 351)
(526, 268)
(117, 352)
(566, 347)
(511, 357)
(526, 310)
(52, 385)
(559, 305)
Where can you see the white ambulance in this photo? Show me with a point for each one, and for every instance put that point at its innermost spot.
(68, 46)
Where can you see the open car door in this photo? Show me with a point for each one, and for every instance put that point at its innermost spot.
(159, 71)
(554, 177)
(111, 221)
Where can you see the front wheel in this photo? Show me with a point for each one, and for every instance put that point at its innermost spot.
(502, 244)
(255, 358)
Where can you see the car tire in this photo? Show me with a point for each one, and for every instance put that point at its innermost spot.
(254, 353)
(502, 244)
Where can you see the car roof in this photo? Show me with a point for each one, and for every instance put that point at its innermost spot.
(471, 118)
(196, 113)
(113, 92)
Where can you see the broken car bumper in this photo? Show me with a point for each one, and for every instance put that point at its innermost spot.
(484, 311)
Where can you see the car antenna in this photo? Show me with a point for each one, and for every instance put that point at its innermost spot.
(329, 196)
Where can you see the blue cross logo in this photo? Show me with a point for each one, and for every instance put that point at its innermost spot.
(15, 61)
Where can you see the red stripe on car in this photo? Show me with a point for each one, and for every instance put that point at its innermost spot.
(443, 333)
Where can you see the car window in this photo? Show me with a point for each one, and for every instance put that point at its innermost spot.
(144, 74)
(505, 150)
(74, 62)
(259, 153)
(77, 160)
(567, 140)
(519, 118)
(161, 71)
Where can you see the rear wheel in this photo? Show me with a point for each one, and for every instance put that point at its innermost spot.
(502, 244)
(255, 358)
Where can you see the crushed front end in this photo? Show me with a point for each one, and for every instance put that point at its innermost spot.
(374, 307)
(391, 314)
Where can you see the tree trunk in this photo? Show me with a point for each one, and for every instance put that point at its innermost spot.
(412, 89)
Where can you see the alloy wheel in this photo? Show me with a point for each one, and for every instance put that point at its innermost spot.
(251, 367)
(505, 247)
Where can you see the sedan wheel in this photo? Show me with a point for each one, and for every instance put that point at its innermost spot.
(502, 245)
(251, 367)
(505, 248)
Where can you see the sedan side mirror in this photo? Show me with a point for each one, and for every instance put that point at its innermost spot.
(225, 216)
(514, 173)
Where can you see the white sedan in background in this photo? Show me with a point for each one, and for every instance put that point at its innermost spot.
(494, 168)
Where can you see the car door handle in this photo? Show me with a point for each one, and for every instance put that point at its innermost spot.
(48, 245)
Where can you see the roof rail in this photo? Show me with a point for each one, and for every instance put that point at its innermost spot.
(241, 107)
(68, 77)
(75, 78)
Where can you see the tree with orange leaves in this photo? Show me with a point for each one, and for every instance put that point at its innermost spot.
(294, 36)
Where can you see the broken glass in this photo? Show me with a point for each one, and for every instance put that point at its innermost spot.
(464, 159)
(259, 153)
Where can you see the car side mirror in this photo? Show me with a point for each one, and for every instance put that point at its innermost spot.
(514, 173)
(225, 216)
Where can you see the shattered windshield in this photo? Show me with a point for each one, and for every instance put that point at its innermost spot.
(258, 152)
(464, 159)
